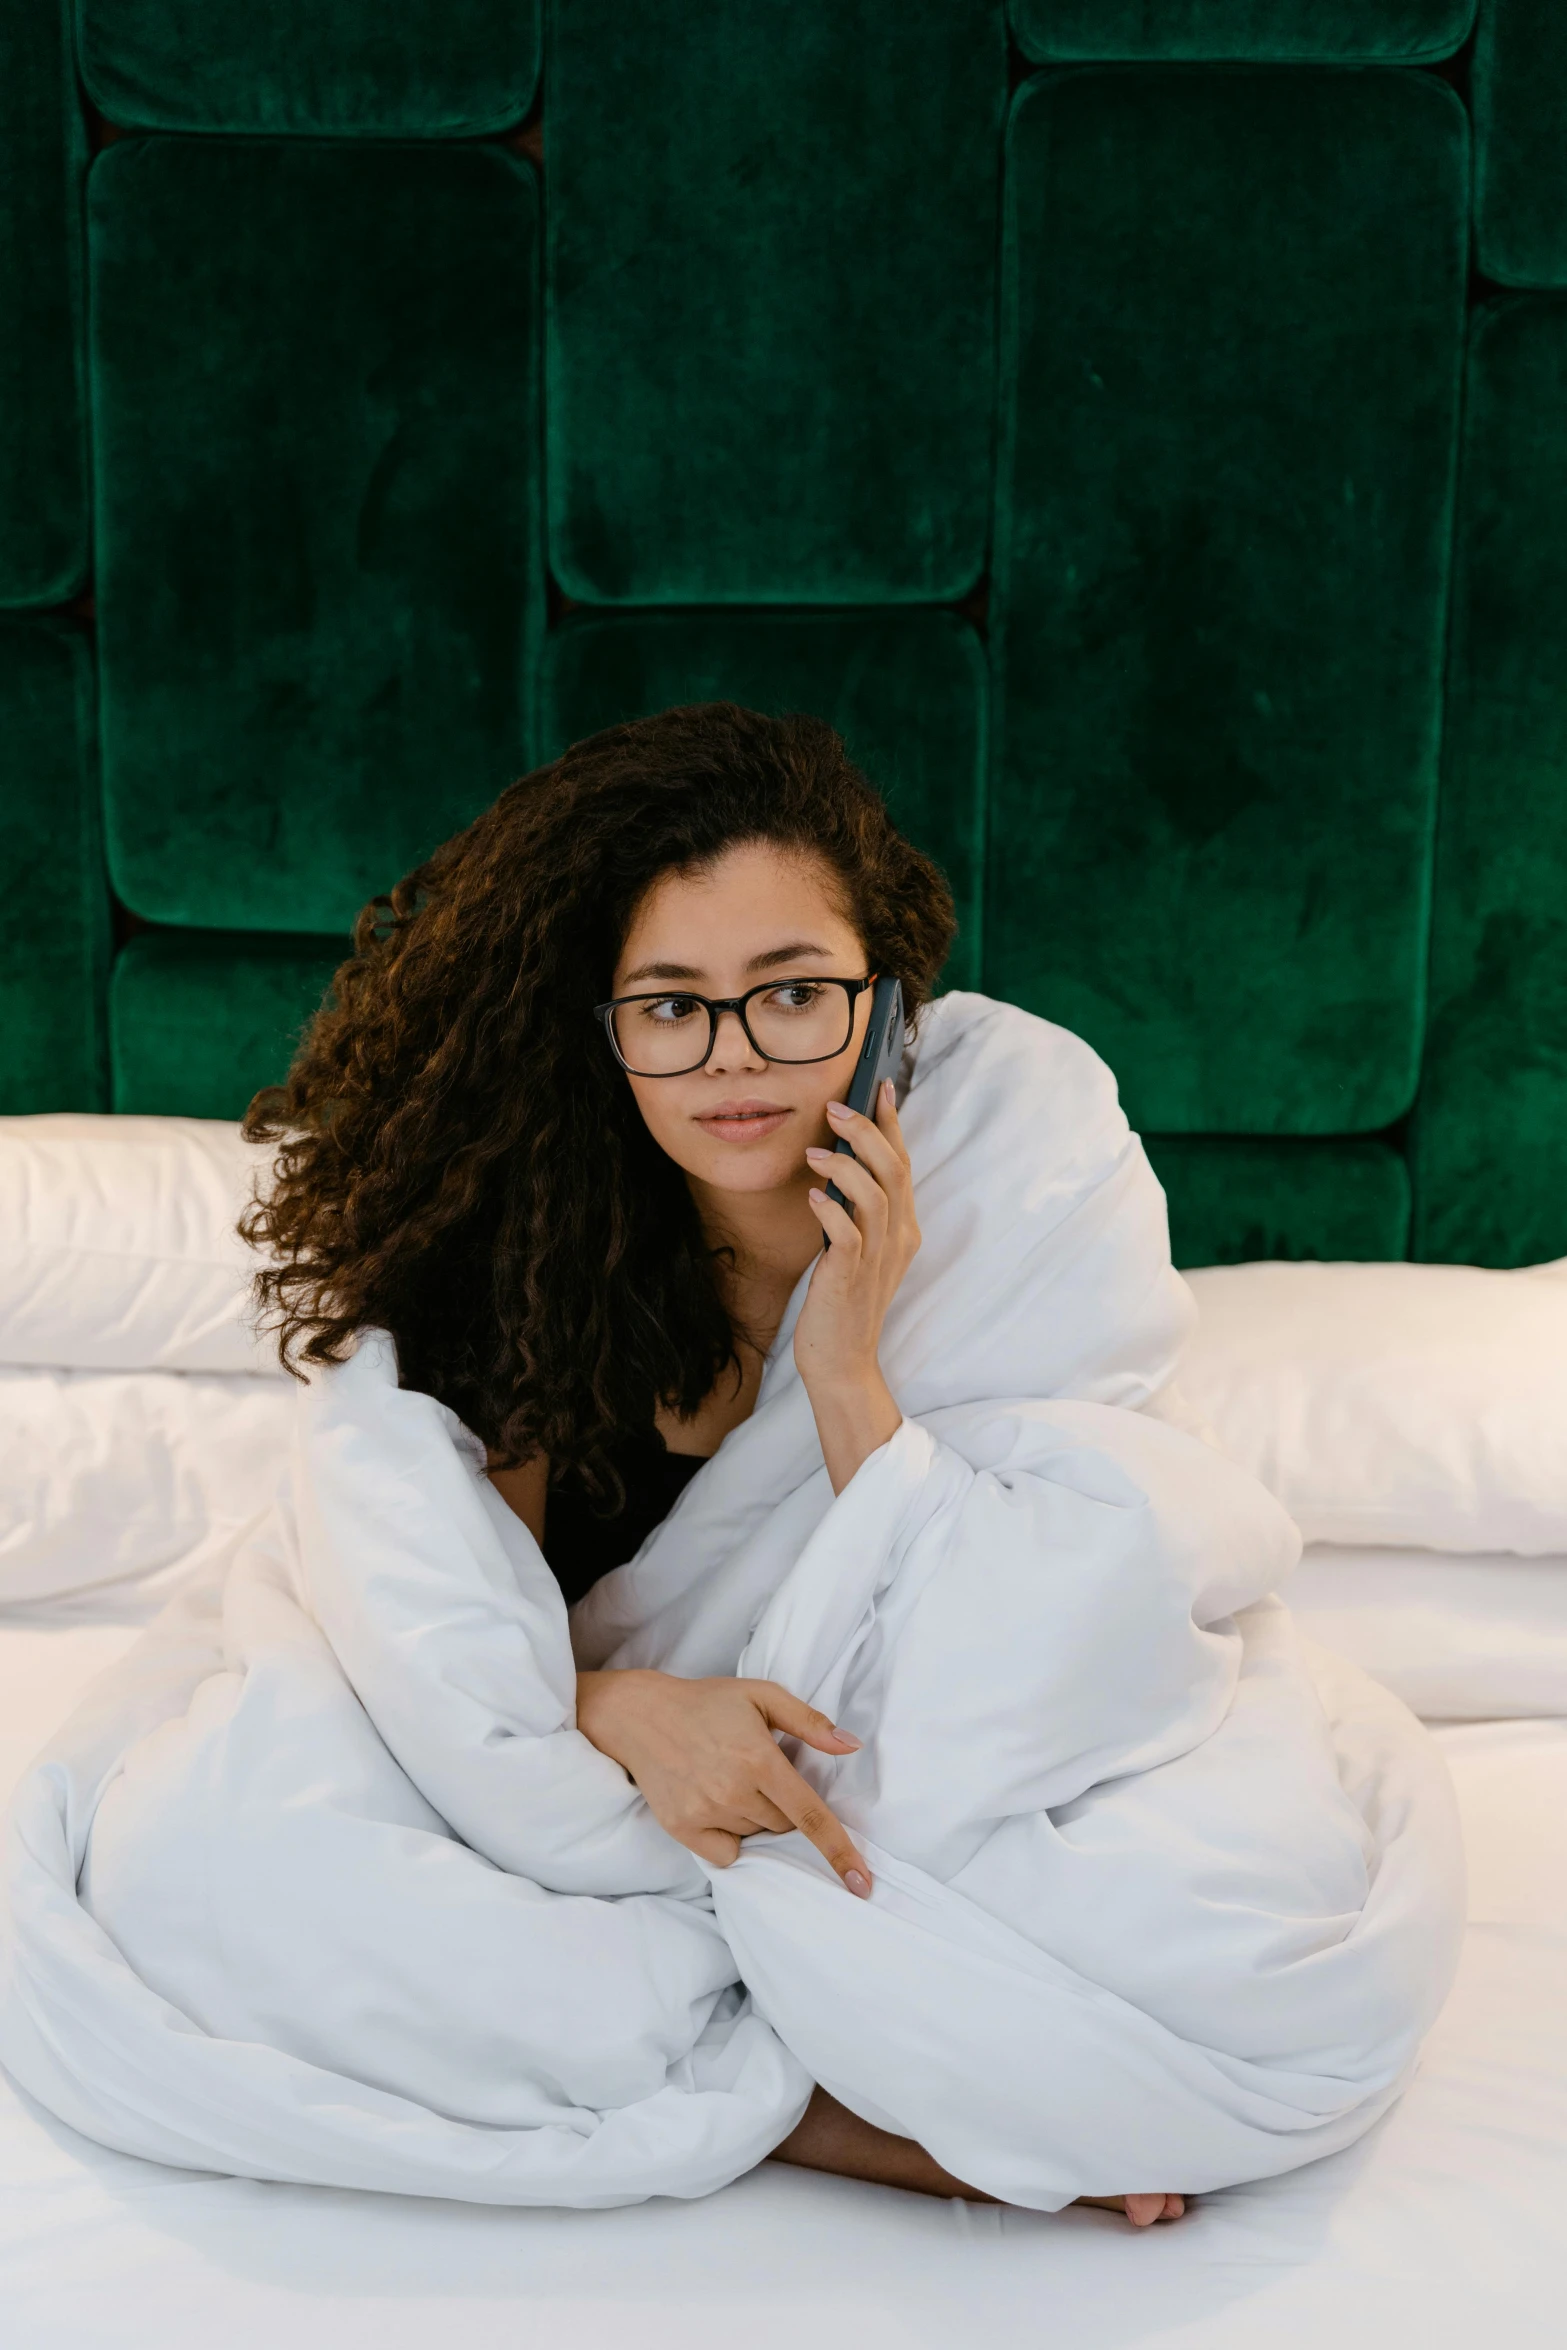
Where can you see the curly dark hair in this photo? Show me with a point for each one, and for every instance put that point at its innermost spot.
(461, 1162)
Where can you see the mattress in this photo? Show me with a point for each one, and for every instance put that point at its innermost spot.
(1445, 2226)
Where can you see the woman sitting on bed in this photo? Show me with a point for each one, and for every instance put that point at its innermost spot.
(584, 1240)
(1081, 1877)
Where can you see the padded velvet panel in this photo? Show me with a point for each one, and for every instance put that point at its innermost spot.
(1234, 1198)
(319, 563)
(1520, 106)
(43, 501)
(199, 1022)
(448, 68)
(906, 690)
(55, 936)
(772, 233)
(1490, 1133)
(1404, 32)
(1232, 346)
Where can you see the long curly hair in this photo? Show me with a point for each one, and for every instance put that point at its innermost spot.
(460, 1161)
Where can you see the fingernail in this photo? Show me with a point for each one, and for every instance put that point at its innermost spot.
(815, 1153)
(847, 1738)
(886, 1089)
(858, 1885)
(837, 1109)
(816, 1195)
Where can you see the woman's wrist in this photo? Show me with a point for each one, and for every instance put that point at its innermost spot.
(601, 1702)
(855, 1416)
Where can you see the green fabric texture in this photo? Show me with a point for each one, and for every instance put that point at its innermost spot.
(906, 690)
(1234, 1198)
(378, 68)
(1520, 110)
(1399, 32)
(43, 495)
(772, 235)
(200, 1022)
(1233, 318)
(54, 943)
(320, 572)
(1490, 1131)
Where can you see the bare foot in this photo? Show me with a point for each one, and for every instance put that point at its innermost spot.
(1142, 2210)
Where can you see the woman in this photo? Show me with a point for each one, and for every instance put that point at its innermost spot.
(408, 1895)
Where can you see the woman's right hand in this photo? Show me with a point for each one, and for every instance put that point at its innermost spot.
(704, 1757)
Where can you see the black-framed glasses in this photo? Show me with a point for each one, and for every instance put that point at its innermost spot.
(673, 1032)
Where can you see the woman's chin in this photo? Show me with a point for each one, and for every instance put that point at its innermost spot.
(739, 1168)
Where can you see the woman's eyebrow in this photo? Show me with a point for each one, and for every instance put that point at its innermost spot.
(661, 971)
(789, 954)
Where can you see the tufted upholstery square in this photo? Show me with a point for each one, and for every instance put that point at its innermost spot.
(1520, 105)
(772, 235)
(906, 690)
(199, 1022)
(54, 943)
(1403, 32)
(1237, 1197)
(43, 152)
(320, 575)
(1231, 352)
(1490, 1134)
(375, 68)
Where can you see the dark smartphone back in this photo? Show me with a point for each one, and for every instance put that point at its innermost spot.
(881, 1056)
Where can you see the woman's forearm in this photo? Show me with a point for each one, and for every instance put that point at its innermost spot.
(853, 1421)
(871, 1237)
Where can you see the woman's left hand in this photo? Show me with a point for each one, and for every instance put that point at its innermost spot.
(838, 1336)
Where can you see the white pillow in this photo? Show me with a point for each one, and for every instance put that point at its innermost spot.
(121, 1477)
(1420, 1405)
(117, 1244)
(1458, 1639)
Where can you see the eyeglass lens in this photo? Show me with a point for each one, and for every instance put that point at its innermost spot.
(795, 1020)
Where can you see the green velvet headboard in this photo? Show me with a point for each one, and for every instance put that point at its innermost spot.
(1149, 447)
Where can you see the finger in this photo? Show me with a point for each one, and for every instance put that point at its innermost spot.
(887, 1119)
(768, 1820)
(714, 1845)
(750, 1814)
(780, 1709)
(839, 1227)
(858, 1185)
(870, 1145)
(805, 1810)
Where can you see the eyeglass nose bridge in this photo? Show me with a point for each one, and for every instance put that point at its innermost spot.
(734, 1005)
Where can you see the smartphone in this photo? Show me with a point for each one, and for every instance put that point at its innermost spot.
(881, 1056)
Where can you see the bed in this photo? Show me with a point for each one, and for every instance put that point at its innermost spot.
(134, 1395)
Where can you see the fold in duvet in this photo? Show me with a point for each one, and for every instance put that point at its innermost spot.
(324, 1884)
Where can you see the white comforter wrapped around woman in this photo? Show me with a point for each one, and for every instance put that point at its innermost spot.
(324, 1884)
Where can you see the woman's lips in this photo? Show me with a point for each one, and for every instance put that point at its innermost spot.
(737, 1122)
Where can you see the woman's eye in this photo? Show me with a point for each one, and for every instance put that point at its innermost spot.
(798, 996)
(667, 1009)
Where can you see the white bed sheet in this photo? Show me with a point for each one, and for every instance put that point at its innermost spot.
(1447, 2226)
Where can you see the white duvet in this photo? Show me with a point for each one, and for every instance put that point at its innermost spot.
(323, 1883)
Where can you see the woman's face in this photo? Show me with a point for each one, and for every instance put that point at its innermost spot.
(742, 1123)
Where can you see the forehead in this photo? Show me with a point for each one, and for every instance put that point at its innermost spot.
(756, 895)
